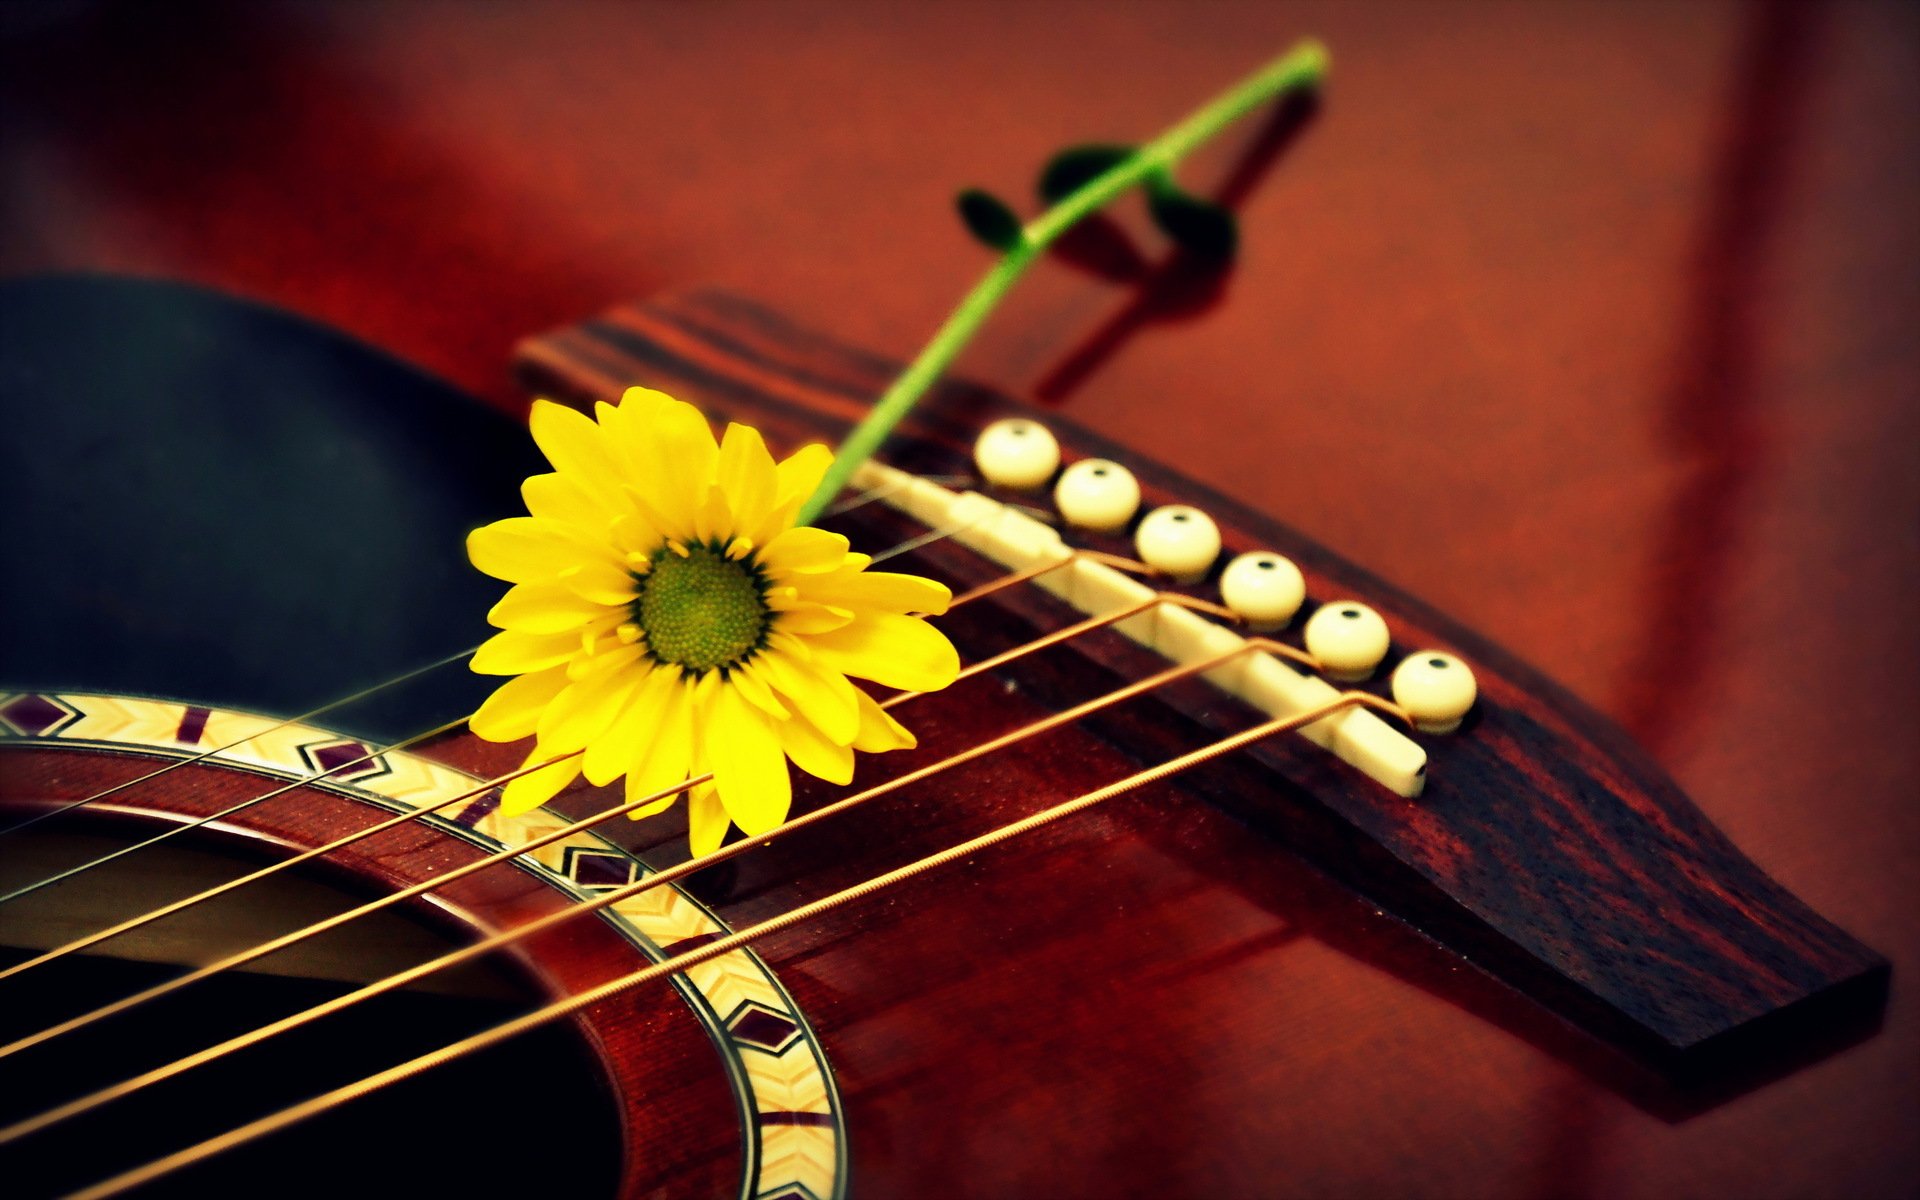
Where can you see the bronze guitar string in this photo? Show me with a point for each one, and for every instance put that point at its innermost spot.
(805, 912)
(506, 937)
(912, 543)
(198, 822)
(329, 706)
(506, 854)
(167, 910)
(181, 905)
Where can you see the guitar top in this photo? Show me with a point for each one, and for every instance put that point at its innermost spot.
(1588, 325)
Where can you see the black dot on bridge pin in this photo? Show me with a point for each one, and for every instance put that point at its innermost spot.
(1099, 470)
(1179, 516)
(1351, 614)
(1266, 564)
(1437, 663)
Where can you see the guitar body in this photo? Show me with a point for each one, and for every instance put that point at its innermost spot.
(1160, 997)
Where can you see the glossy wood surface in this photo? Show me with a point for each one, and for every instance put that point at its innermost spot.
(1544, 847)
(1589, 324)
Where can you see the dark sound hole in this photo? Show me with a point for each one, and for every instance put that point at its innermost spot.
(531, 1117)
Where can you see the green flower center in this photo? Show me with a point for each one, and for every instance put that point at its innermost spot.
(702, 611)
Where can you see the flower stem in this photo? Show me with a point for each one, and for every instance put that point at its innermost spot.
(1299, 68)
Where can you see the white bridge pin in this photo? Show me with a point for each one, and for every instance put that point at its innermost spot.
(1263, 589)
(1348, 638)
(1097, 494)
(1436, 689)
(1180, 540)
(1016, 453)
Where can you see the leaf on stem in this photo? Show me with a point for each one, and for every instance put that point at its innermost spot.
(989, 219)
(1076, 166)
(1202, 227)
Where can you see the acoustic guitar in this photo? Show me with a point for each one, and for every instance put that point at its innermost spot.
(217, 901)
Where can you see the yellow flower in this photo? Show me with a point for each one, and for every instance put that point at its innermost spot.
(668, 618)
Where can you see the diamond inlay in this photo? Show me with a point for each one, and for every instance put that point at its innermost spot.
(795, 1137)
(37, 716)
(343, 760)
(597, 868)
(758, 1025)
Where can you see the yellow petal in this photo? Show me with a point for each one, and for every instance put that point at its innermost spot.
(712, 518)
(824, 697)
(815, 753)
(786, 644)
(875, 590)
(513, 711)
(608, 655)
(748, 767)
(808, 619)
(879, 732)
(682, 444)
(758, 694)
(747, 476)
(532, 790)
(572, 443)
(514, 653)
(889, 649)
(668, 755)
(706, 821)
(557, 498)
(584, 710)
(797, 477)
(803, 549)
(609, 755)
(601, 582)
(543, 608)
(633, 532)
(530, 550)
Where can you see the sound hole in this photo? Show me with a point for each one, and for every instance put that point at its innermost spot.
(534, 1116)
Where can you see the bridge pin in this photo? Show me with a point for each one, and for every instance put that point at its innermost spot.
(1348, 638)
(1436, 689)
(1263, 589)
(1180, 540)
(1097, 494)
(1016, 453)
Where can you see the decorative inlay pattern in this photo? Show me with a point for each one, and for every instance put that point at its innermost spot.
(794, 1135)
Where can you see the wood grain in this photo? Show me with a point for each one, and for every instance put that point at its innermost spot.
(1545, 848)
(1490, 336)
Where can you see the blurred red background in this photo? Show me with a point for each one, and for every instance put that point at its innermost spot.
(1594, 325)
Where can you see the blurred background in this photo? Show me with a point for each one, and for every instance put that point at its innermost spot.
(1594, 325)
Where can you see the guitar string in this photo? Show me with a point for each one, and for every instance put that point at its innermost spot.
(860, 501)
(295, 937)
(177, 830)
(94, 939)
(686, 868)
(892, 487)
(606, 899)
(328, 707)
(177, 906)
(806, 912)
(910, 544)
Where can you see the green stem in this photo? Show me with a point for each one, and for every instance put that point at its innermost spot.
(1301, 67)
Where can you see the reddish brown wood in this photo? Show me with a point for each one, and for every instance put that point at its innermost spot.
(1493, 290)
(1545, 848)
(674, 1102)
